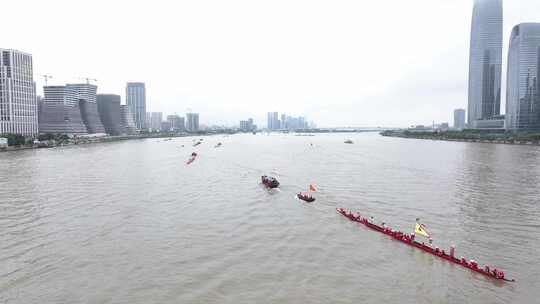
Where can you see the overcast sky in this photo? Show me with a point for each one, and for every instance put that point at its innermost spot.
(338, 62)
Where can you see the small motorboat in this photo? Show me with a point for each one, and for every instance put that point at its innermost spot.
(218, 145)
(197, 143)
(305, 197)
(269, 181)
(348, 141)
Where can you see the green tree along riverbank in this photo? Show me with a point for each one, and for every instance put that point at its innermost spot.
(14, 139)
(484, 136)
(19, 142)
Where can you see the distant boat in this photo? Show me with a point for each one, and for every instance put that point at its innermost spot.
(348, 141)
(269, 181)
(192, 158)
(307, 197)
(197, 143)
(218, 145)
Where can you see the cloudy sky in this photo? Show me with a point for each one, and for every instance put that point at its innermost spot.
(338, 62)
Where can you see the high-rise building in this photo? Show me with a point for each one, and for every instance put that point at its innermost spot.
(192, 122)
(523, 78)
(85, 91)
(61, 94)
(153, 120)
(59, 112)
(166, 126)
(87, 96)
(485, 61)
(177, 122)
(269, 121)
(459, 119)
(127, 120)
(293, 123)
(273, 122)
(276, 124)
(136, 100)
(247, 125)
(147, 120)
(18, 105)
(109, 112)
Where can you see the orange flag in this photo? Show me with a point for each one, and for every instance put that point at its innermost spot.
(311, 188)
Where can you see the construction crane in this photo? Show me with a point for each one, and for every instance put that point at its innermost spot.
(88, 79)
(46, 77)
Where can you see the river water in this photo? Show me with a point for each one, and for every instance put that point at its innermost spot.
(130, 222)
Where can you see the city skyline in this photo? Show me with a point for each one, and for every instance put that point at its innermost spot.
(227, 74)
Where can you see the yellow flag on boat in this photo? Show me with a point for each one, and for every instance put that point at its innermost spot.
(421, 230)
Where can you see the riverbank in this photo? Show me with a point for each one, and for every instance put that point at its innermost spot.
(475, 136)
(103, 139)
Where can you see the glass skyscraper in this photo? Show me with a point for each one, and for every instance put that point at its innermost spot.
(485, 61)
(136, 101)
(523, 79)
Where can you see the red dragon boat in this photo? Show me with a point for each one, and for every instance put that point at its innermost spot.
(269, 182)
(408, 239)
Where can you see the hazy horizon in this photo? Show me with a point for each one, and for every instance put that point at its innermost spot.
(339, 63)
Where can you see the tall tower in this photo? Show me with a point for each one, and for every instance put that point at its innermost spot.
(136, 101)
(269, 121)
(523, 83)
(485, 61)
(192, 122)
(275, 121)
(18, 105)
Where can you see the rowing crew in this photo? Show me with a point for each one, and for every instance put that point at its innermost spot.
(410, 239)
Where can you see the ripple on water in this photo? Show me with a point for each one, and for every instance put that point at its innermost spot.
(140, 226)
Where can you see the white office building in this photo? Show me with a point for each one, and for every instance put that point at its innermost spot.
(18, 105)
(136, 101)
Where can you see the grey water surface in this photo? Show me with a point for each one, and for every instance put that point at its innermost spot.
(130, 222)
